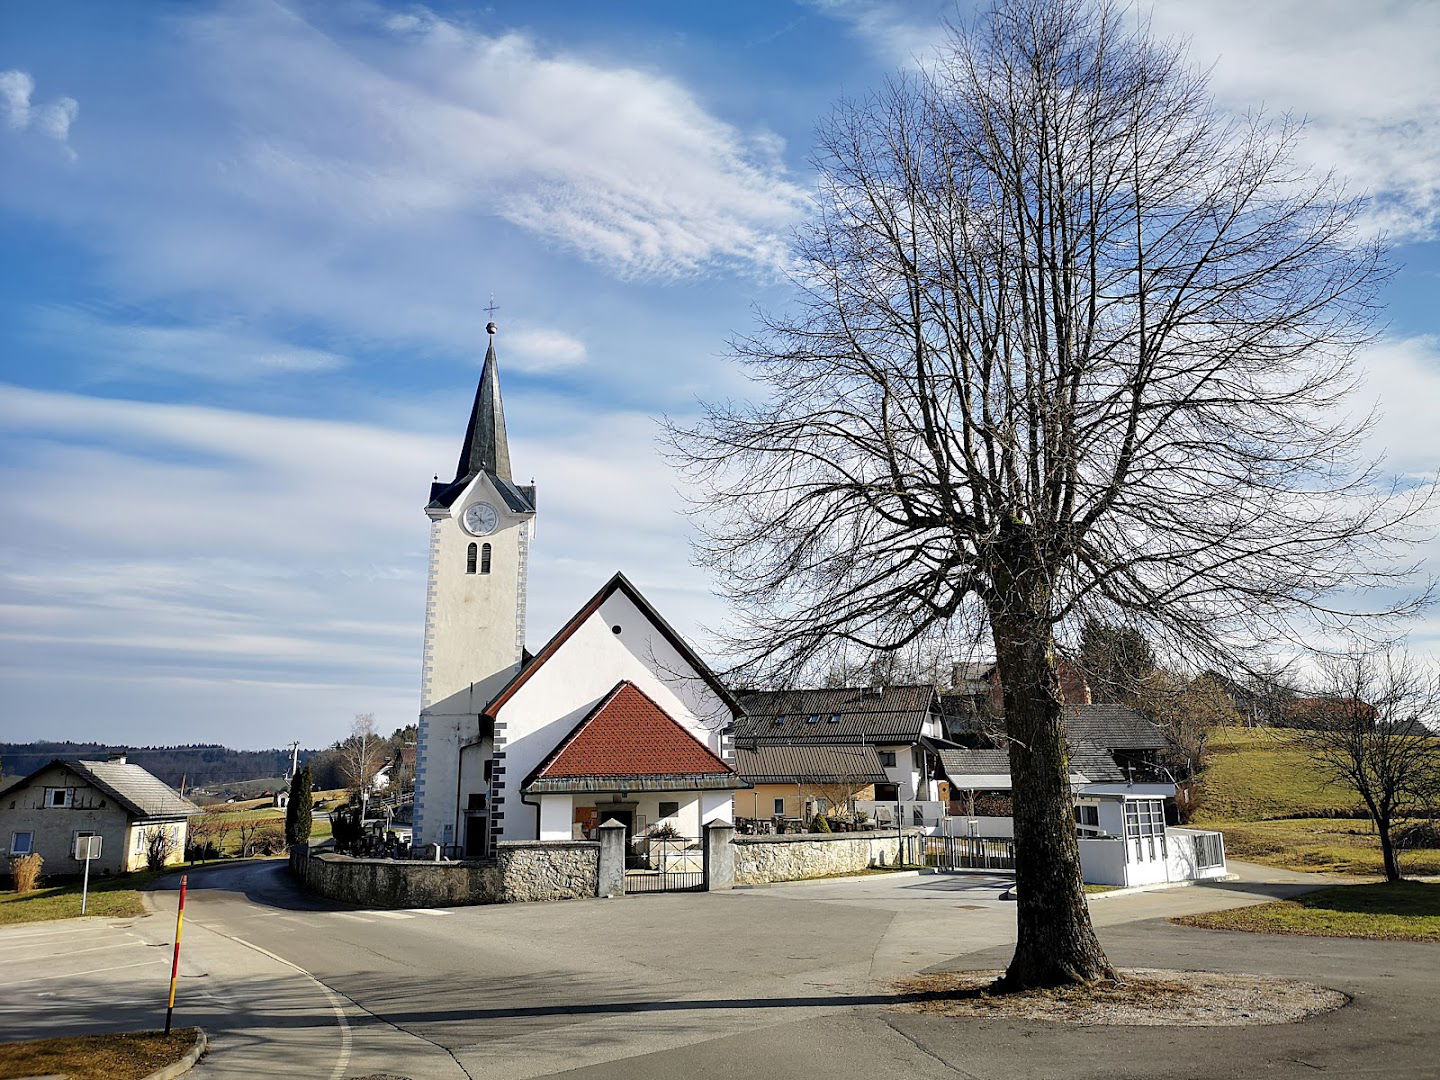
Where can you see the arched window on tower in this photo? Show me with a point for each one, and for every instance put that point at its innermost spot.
(470, 559)
(485, 559)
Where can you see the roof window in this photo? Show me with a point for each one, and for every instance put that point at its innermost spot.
(779, 719)
(834, 718)
(814, 719)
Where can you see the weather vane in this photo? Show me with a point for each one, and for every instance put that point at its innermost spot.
(490, 326)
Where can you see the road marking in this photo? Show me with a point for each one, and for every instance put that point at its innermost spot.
(342, 1060)
(297, 919)
(95, 948)
(389, 914)
(12, 936)
(426, 911)
(90, 971)
(347, 915)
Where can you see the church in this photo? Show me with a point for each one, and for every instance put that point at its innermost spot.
(615, 717)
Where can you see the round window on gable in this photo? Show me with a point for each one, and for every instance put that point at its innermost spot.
(615, 629)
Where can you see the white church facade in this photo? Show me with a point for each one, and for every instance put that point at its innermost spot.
(615, 717)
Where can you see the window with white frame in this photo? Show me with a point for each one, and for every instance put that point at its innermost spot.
(22, 843)
(59, 796)
(1145, 828)
(1087, 816)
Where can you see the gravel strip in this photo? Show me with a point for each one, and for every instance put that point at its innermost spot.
(1148, 997)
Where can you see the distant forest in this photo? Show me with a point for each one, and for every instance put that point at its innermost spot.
(199, 765)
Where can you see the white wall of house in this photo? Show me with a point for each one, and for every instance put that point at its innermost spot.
(578, 675)
(695, 809)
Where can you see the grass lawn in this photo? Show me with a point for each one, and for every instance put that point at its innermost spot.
(116, 896)
(1384, 911)
(1261, 774)
(1323, 845)
(125, 1056)
(1261, 790)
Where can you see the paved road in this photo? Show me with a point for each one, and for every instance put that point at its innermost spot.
(776, 982)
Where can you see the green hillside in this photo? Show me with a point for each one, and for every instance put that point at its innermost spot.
(1263, 793)
(1261, 775)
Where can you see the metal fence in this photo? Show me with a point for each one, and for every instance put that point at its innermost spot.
(665, 864)
(964, 852)
(1209, 850)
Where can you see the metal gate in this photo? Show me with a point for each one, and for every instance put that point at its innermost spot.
(969, 852)
(665, 864)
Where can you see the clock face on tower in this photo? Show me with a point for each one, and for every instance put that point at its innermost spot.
(480, 519)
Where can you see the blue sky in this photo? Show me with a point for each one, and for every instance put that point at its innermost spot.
(248, 248)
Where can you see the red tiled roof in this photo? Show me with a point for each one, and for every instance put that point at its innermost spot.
(627, 734)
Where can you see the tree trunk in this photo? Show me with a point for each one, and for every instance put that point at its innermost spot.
(1056, 943)
(1387, 850)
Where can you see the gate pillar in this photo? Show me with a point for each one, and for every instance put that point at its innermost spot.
(719, 856)
(610, 880)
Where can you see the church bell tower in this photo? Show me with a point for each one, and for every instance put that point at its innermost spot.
(481, 524)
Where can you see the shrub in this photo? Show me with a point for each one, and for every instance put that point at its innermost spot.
(25, 871)
(664, 831)
(159, 846)
(820, 824)
(1422, 834)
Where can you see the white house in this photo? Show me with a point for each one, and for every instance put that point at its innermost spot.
(504, 737)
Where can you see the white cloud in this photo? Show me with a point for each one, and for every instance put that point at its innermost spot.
(1365, 75)
(897, 31)
(221, 352)
(541, 350)
(623, 166)
(260, 557)
(21, 114)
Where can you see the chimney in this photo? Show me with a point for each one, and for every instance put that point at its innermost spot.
(117, 758)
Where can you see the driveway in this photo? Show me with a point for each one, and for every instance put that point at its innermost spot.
(766, 982)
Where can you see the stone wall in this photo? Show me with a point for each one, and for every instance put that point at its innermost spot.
(521, 871)
(762, 859)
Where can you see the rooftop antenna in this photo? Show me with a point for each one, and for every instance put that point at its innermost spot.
(493, 307)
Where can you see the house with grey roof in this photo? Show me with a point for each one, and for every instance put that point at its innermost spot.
(902, 724)
(123, 804)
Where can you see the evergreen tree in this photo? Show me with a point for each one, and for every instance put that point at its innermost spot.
(298, 809)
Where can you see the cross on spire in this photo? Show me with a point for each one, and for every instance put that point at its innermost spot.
(490, 309)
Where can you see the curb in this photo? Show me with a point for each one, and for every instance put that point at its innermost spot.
(1160, 886)
(186, 1063)
(832, 880)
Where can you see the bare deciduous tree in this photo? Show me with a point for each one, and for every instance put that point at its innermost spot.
(1375, 736)
(1067, 341)
(362, 755)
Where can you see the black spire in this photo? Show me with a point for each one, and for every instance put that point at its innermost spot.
(486, 448)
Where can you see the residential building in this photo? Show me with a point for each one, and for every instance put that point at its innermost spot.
(791, 783)
(902, 724)
(46, 812)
